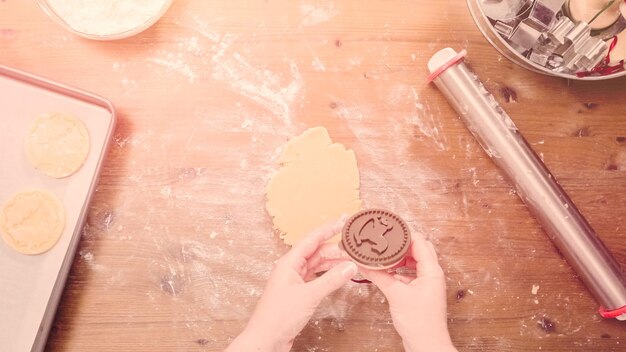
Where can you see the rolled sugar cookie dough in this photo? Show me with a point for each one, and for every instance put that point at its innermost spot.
(57, 144)
(317, 182)
(32, 222)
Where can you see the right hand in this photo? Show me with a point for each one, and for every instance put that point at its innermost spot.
(417, 304)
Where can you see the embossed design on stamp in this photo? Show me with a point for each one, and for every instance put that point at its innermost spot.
(374, 231)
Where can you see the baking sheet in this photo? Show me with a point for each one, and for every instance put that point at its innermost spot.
(30, 286)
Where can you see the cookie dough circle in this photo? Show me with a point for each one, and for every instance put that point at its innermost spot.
(317, 182)
(57, 144)
(376, 239)
(32, 222)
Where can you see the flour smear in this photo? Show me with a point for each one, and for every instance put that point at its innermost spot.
(317, 12)
(269, 89)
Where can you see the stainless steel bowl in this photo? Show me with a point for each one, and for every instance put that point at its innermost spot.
(507, 51)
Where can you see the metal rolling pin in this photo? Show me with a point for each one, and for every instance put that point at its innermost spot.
(535, 185)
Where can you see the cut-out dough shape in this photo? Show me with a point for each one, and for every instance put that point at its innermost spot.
(32, 222)
(317, 182)
(57, 144)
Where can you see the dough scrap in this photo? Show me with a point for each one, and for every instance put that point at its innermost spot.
(317, 182)
(32, 222)
(57, 144)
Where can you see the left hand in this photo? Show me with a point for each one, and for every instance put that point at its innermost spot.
(293, 291)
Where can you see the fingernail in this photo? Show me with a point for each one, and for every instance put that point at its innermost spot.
(349, 270)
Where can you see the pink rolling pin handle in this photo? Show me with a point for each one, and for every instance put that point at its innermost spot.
(619, 313)
(446, 65)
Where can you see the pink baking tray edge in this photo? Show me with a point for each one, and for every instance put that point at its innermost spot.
(53, 302)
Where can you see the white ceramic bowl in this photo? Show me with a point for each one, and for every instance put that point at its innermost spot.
(49, 10)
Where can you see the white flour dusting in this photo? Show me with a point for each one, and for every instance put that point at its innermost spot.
(105, 17)
(317, 13)
(87, 256)
(202, 27)
(318, 65)
(421, 117)
(176, 64)
(265, 87)
(427, 123)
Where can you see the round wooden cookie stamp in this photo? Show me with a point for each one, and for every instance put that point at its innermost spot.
(376, 239)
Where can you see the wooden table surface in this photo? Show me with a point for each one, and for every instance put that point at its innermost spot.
(177, 246)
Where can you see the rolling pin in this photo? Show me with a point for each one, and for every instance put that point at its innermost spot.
(535, 185)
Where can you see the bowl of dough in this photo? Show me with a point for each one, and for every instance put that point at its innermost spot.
(573, 39)
(105, 19)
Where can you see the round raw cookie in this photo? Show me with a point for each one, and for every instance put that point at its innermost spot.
(32, 222)
(317, 182)
(57, 144)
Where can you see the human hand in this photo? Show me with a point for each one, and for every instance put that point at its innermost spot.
(417, 304)
(294, 291)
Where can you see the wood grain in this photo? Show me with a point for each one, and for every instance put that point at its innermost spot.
(178, 246)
